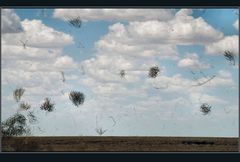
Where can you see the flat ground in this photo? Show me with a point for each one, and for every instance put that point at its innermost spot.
(81, 144)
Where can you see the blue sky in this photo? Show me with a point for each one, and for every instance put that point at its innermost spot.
(177, 41)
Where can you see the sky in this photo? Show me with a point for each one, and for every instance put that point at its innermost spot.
(187, 45)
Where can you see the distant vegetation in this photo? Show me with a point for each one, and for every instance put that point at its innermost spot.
(15, 126)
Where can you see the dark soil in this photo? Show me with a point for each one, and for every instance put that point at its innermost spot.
(138, 144)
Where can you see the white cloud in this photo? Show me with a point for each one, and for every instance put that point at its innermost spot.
(184, 12)
(38, 35)
(236, 24)
(106, 69)
(179, 30)
(148, 25)
(228, 43)
(65, 62)
(224, 74)
(37, 67)
(172, 84)
(199, 98)
(115, 14)
(133, 47)
(14, 52)
(116, 90)
(10, 22)
(154, 38)
(223, 78)
(192, 62)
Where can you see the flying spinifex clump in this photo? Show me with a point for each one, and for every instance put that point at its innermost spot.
(75, 22)
(17, 94)
(153, 72)
(205, 108)
(77, 98)
(229, 56)
(122, 73)
(47, 105)
(100, 131)
(24, 106)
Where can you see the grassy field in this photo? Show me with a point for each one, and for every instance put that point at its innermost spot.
(81, 144)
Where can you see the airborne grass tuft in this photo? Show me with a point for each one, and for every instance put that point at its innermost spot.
(75, 22)
(47, 105)
(24, 106)
(153, 72)
(122, 73)
(17, 94)
(77, 98)
(100, 131)
(229, 56)
(205, 108)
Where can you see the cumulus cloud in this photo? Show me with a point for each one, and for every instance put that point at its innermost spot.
(14, 52)
(236, 24)
(36, 34)
(182, 29)
(134, 46)
(179, 28)
(10, 22)
(37, 66)
(115, 90)
(228, 43)
(223, 78)
(146, 40)
(154, 38)
(65, 62)
(206, 98)
(173, 84)
(192, 62)
(114, 14)
(184, 12)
